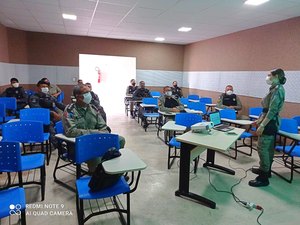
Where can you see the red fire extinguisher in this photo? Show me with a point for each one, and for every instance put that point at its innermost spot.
(99, 74)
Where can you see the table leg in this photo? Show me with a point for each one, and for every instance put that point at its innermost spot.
(210, 162)
(184, 178)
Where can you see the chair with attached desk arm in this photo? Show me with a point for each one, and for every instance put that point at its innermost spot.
(3, 117)
(10, 104)
(184, 101)
(13, 197)
(199, 106)
(26, 132)
(186, 120)
(288, 130)
(231, 115)
(150, 114)
(193, 97)
(11, 161)
(298, 121)
(155, 94)
(87, 148)
(40, 115)
(207, 100)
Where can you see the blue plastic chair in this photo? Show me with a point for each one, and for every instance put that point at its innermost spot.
(231, 114)
(200, 106)
(36, 114)
(31, 132)
(11, 160)
(194, 97)
(155, 94)
(15, 197)
(10, 102)
(88, 147)
(256, 111)
(3, 117)
(206, 100)
(288, 151)
(61, 97)
(228, 114)
(59, 129)
(187, 120)
(184, 101)
(297, 118)
(150, 112)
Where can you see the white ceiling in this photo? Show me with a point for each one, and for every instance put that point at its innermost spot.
(144, 20)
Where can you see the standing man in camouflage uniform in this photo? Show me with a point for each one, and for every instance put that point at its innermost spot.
(268, 125)
(129, 93)
(84, 118)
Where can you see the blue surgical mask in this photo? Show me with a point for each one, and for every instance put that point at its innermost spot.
(87, 97)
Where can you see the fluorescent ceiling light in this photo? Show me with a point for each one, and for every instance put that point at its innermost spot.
(69, 16)
(159, 39)
(185, 29)
(255, 2)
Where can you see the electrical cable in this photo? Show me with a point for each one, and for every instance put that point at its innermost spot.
(245, 204)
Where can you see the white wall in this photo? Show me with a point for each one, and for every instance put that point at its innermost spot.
(248, 83)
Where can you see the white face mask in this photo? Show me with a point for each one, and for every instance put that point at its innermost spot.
(169, 93)
(45, 90)
(269, 80)
(229, 92)
(87, 97)
(15, 85)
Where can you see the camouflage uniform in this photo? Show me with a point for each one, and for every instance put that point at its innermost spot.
(272, 104)
(79, 121)
(171, 103)
(231, 100)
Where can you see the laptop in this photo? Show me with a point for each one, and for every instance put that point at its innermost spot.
(216, 119)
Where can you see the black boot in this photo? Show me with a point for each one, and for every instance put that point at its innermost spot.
(258, 171)
(261, 180)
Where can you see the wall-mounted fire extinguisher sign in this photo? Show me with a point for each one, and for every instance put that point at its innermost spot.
(99, 74)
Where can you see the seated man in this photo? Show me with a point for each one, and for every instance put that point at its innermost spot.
(229, 100)
(82, 118)
(42, 99)
(54, 90)
(176, 91)
(129, 92)
(96, 102)
(16, 91)
(139, 94)
(167, 103)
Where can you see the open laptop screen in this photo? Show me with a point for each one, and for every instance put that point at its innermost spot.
(215, 118)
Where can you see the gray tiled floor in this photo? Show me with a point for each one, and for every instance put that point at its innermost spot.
(154, 202)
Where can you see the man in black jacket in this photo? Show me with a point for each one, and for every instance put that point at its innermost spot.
(42, 99)
(16, 91)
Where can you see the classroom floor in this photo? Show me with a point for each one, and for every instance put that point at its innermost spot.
(154, 202)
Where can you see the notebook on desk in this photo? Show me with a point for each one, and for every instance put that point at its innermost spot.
(216, 119)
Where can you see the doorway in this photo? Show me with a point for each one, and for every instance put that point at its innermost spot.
(109, 76)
